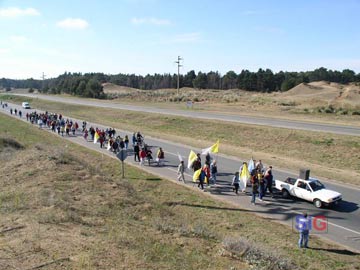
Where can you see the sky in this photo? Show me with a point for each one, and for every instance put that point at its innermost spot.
(146, 36)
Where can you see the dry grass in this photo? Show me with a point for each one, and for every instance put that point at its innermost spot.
(73, 204)
(303, 102)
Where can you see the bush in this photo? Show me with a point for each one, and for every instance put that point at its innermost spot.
(356, 113)
(260, 258)
(31, 90)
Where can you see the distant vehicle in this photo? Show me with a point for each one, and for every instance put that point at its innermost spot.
(25, 105)
(311, 190)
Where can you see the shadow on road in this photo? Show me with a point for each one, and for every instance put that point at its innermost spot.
(346, 207)
(337, 251)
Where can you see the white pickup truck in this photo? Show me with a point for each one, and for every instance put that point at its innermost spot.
(311, 190)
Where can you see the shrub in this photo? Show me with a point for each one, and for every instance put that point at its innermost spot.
(259, 257)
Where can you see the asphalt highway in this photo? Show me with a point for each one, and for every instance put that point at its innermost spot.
(264, 121)
(343, 220)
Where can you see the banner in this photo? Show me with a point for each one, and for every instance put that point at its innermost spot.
(192, 158)
(212, 149)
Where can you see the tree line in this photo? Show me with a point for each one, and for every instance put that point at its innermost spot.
(90, 84)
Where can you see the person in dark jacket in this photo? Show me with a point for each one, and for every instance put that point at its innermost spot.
(136, 152)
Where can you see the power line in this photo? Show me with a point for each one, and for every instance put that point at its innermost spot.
(178, 74)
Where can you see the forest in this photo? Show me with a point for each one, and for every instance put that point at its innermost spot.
(90, 84)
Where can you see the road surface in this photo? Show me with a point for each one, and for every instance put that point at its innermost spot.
(343, 220)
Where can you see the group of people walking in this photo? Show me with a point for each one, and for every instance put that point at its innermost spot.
(260, 179)
(257, 176)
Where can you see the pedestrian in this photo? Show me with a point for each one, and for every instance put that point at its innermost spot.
(236, 182)
(134, 139)
(20, 113)
(92, 133)
(196, 165)
(86, 134)
(244, 176)
(40, 123)
(303, 227)
(201, 180)
(160, 157)
(254, 186)
(206, 169)
(261, 184)
(180, 172)
(136, 152)
(213, 172)
(259, 165)
(73, 128)
(10, 111)
(269, 181)
(126, 141)
(102, 139)
(208, 159)
(83, 126)
(121, 143)
(67, 128)
(142, 156)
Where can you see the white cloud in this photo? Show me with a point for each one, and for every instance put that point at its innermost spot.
(18, 39)
(73, 23)
(12, 12)
(186, 38)
(4, 51)
(154, 21)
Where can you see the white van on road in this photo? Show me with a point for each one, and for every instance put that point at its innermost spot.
(25, 105)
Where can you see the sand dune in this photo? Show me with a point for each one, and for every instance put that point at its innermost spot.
(325, 92)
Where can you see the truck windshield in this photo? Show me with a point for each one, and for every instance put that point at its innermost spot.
(316, 185)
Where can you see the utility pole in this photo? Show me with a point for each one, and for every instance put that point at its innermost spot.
(43, 78)
(178, 74)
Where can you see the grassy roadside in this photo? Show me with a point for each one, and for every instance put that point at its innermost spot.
(73, 204)
(336, 157)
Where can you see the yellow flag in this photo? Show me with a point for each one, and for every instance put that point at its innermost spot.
(192, 158)
(215, 147)
(196, 175)
(244, 174)
(96, 137)
(212, 149)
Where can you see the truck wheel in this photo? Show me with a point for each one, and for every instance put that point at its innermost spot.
(285, 194)
(317, 203)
